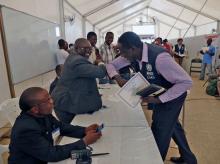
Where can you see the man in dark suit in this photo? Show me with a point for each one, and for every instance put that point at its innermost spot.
(76, 91)
(35, 130)
(58, 70)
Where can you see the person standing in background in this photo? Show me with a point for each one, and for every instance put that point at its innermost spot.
(107, 54)
(207, 53)
(179, 51)
(158, 41)
(92, 38)
(71, 48)
(106, 49)
(58, 70)
(166, 45)
(62, 53)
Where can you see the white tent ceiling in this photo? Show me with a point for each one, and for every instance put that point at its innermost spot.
(180, 14)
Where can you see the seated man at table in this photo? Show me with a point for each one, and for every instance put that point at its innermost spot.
(34, 132)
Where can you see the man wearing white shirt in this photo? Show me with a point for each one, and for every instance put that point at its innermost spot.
(92, 38)
(106, 49)
(62, 53)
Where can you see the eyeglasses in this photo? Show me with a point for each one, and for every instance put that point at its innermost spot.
(49, 99)
(86, 48)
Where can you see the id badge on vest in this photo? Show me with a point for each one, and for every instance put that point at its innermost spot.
(55, 134)
(149, 72)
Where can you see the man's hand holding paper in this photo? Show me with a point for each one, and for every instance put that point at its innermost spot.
(151, 99)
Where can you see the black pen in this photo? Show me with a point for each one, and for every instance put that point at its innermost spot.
(98, 154)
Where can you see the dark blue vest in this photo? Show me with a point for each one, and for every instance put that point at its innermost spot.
(180, 50)
(149, 71)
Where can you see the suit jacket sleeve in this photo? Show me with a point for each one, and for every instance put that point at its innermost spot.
(33, 143)
(70, 130)
(88, 70)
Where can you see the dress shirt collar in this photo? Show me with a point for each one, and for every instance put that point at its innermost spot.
(144, 53)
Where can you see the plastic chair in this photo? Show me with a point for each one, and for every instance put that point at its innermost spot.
(3, 148)
(196, 65)
(10, 109)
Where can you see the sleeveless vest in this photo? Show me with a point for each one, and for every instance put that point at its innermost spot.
(149, 71)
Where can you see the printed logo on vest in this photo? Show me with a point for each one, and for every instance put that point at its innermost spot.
(149, 67)
(149, 72)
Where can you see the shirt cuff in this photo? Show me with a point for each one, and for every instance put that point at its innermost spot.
(101, 63)
(113, 73)
(164, 98)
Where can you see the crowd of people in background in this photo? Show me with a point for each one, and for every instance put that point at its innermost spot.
(107, 52)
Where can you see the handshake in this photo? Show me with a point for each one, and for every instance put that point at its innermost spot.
(98, 62)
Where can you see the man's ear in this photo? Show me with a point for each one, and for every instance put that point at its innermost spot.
(34, 110)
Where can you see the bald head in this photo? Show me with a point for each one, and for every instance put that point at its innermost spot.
(83, 47)
(81, 42)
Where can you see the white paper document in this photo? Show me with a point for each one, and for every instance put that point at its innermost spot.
(181, 55)
(205, 49)
(127, 94)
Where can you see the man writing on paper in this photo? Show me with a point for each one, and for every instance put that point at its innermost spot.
(158, 67)
(35, 130)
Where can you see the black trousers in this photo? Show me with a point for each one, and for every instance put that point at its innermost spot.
(165, 126)
(65, 117)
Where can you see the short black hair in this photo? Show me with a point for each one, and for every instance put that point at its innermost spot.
(180, 39)
(109, 33)
(58, 68)
(209, 39)
(165, 40)
(160, 39)
(129, 39)
(90, 34)
(71, 44)
(27, 98)
(61, 43)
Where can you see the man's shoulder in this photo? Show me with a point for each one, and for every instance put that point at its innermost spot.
(24, 122)
(78, 58)
(155, 48)
(211, 46)
(75, 59)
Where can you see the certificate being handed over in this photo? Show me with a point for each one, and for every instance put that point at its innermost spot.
(127, 94)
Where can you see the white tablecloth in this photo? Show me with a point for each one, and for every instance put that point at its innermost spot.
(126, 145)
(126, 135)
(116, 113)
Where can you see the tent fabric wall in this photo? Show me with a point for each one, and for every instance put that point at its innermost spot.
(166, 10)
